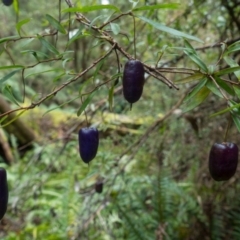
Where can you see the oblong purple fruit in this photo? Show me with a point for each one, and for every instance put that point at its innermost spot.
(7, 2)
(223, 160)
(3, 192)
(99, 187)
(88, 139)
(133, 80)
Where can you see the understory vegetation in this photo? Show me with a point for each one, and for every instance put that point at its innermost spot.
(61, 69)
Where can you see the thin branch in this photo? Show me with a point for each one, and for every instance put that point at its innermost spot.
(105, 35)
(114, 19)
(53, 93)
(223, 94)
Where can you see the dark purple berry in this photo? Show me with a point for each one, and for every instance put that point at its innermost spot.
(7, 2)
(99, 187)
(223, 161)
(88, 143)
(3, 192)
(133, 80)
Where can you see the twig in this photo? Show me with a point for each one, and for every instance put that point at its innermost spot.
(53, 93)
(223, 94)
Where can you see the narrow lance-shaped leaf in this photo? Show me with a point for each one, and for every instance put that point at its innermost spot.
(213, 88)
(237, 91)
(11, 67)
(59, 106)
(157, 6)
(49, 70)
(233, 107)
(55, 23)
(194, 77)
(192, 54)
(99, 65)
(8, 92)
(232, 63)
(236, 121)
(196, 89)
(92, 8)
(48, 45)
(9, 75)
(85, 103)
(36, 54)
(196, 60)
(2, 40)
(13, 119)
(233, 48)
(168, 29)
(225, 86)
(21, 23)
(197, 99)
(189, 47)
(227, 71)
(110, 96)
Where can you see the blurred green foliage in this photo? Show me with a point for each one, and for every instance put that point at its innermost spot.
(156, 185)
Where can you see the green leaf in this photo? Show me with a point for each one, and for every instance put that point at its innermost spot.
(233, 48)
(92, 8)
(13, 119)
(191, 52)
(55, 23)
(225, 86)
(194, 77)
(49, 70)
(59, 106)
(213, 88)
(7, 91)
(236, 120)
(9, 75)
(197, 99)
(169, 30)
(59, 77)
(227, 71)
(110, 97)
(115, 28)
(195, 90)
(237, 90)
(2, 119)
(233, 106)
(232, 63)
(99, 65)
(222, 84)
(76, 36)
(2, 40)
(36, 54)
(10, 67)
(48, 45)
(189, 47)
(85, 103)
(21, 23)
(157, 6)
(85, 83)
(235, 113)
(196, 60)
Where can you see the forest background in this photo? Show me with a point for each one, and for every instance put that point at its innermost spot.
(61, 65)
